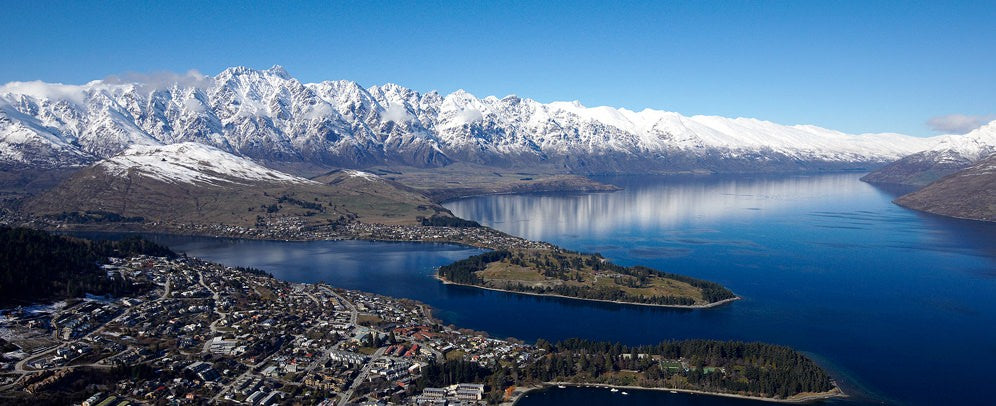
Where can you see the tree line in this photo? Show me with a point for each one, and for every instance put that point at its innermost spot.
(463, 271)
(752, 369)
(755, 369)
(445, 221)
(37, 266)
(96, 216)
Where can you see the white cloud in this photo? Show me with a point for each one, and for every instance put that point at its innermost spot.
(161, 80)
(77, 93)
(958, 123)
(396, 113)
(193, 104)
(471, 115)
(41, 90)
(319, 111)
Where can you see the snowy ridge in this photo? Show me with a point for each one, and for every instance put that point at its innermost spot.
(362, 175)
(192, 163)
(972, 147)
(269, 115)
(951, 154)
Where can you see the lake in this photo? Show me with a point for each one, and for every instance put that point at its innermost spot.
(899, 305)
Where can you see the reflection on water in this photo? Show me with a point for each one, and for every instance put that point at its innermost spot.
(826, 264)
(654, 205)
(898, 304)
(680, 212)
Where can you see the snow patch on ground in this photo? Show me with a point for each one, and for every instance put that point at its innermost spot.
(192, 163)
(360, 174)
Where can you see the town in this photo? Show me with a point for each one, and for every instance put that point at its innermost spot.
(207, 333)
(294, 228)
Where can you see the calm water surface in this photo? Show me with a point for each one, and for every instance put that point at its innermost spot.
(899, 304)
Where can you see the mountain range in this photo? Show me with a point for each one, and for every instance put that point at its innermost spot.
(951, 154)
(274, 118)
(129, 147)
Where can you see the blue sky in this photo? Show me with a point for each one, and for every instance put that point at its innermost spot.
(861, 66)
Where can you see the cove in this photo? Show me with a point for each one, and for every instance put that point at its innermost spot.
(898, 304)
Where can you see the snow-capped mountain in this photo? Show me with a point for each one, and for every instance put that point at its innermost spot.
(270, 116)
(192, 183)
(951, 154)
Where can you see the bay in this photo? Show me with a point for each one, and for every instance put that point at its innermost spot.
(898, 304)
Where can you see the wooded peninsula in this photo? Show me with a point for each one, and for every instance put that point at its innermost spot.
(754, 370)
(560, 272)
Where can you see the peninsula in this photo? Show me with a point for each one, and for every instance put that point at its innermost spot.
(553, 271)
(189, 188)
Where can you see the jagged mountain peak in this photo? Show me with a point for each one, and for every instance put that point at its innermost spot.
(279, 70)
(269, 115)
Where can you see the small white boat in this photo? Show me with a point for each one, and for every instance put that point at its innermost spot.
(614, 390)
(624, 393)
(674, 391)
(561, 386)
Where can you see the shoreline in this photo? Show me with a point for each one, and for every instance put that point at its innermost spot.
(836, 392)
(466, 244)
(528, 192)
(945, 216)
(690, 307)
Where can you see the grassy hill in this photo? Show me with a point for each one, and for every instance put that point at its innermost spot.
(109, 196)
(968, 194)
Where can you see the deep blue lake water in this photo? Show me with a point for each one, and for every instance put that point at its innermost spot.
(900, 305)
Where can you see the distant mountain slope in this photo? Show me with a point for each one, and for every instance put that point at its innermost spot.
(272, 117)
(952, 154)
(969, 193)
(191, 183)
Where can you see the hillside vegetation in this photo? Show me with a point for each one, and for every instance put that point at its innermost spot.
(967, 194)
(732, 367)
(95, 197)
(584, 276)
(36, 266)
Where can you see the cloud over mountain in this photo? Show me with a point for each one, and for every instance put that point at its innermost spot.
(958, 123)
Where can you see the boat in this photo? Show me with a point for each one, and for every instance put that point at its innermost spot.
(614, 390)
(624, 393)
(561, 386)
(674, 391)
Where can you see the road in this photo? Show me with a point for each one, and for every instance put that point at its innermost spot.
(353, 313)
(360, 378)
(218, 396)
(19, 367)
(217, 299)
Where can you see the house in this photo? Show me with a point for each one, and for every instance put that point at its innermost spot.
(93, 400)
(470, 391)
(434, 393)
(204, 371)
